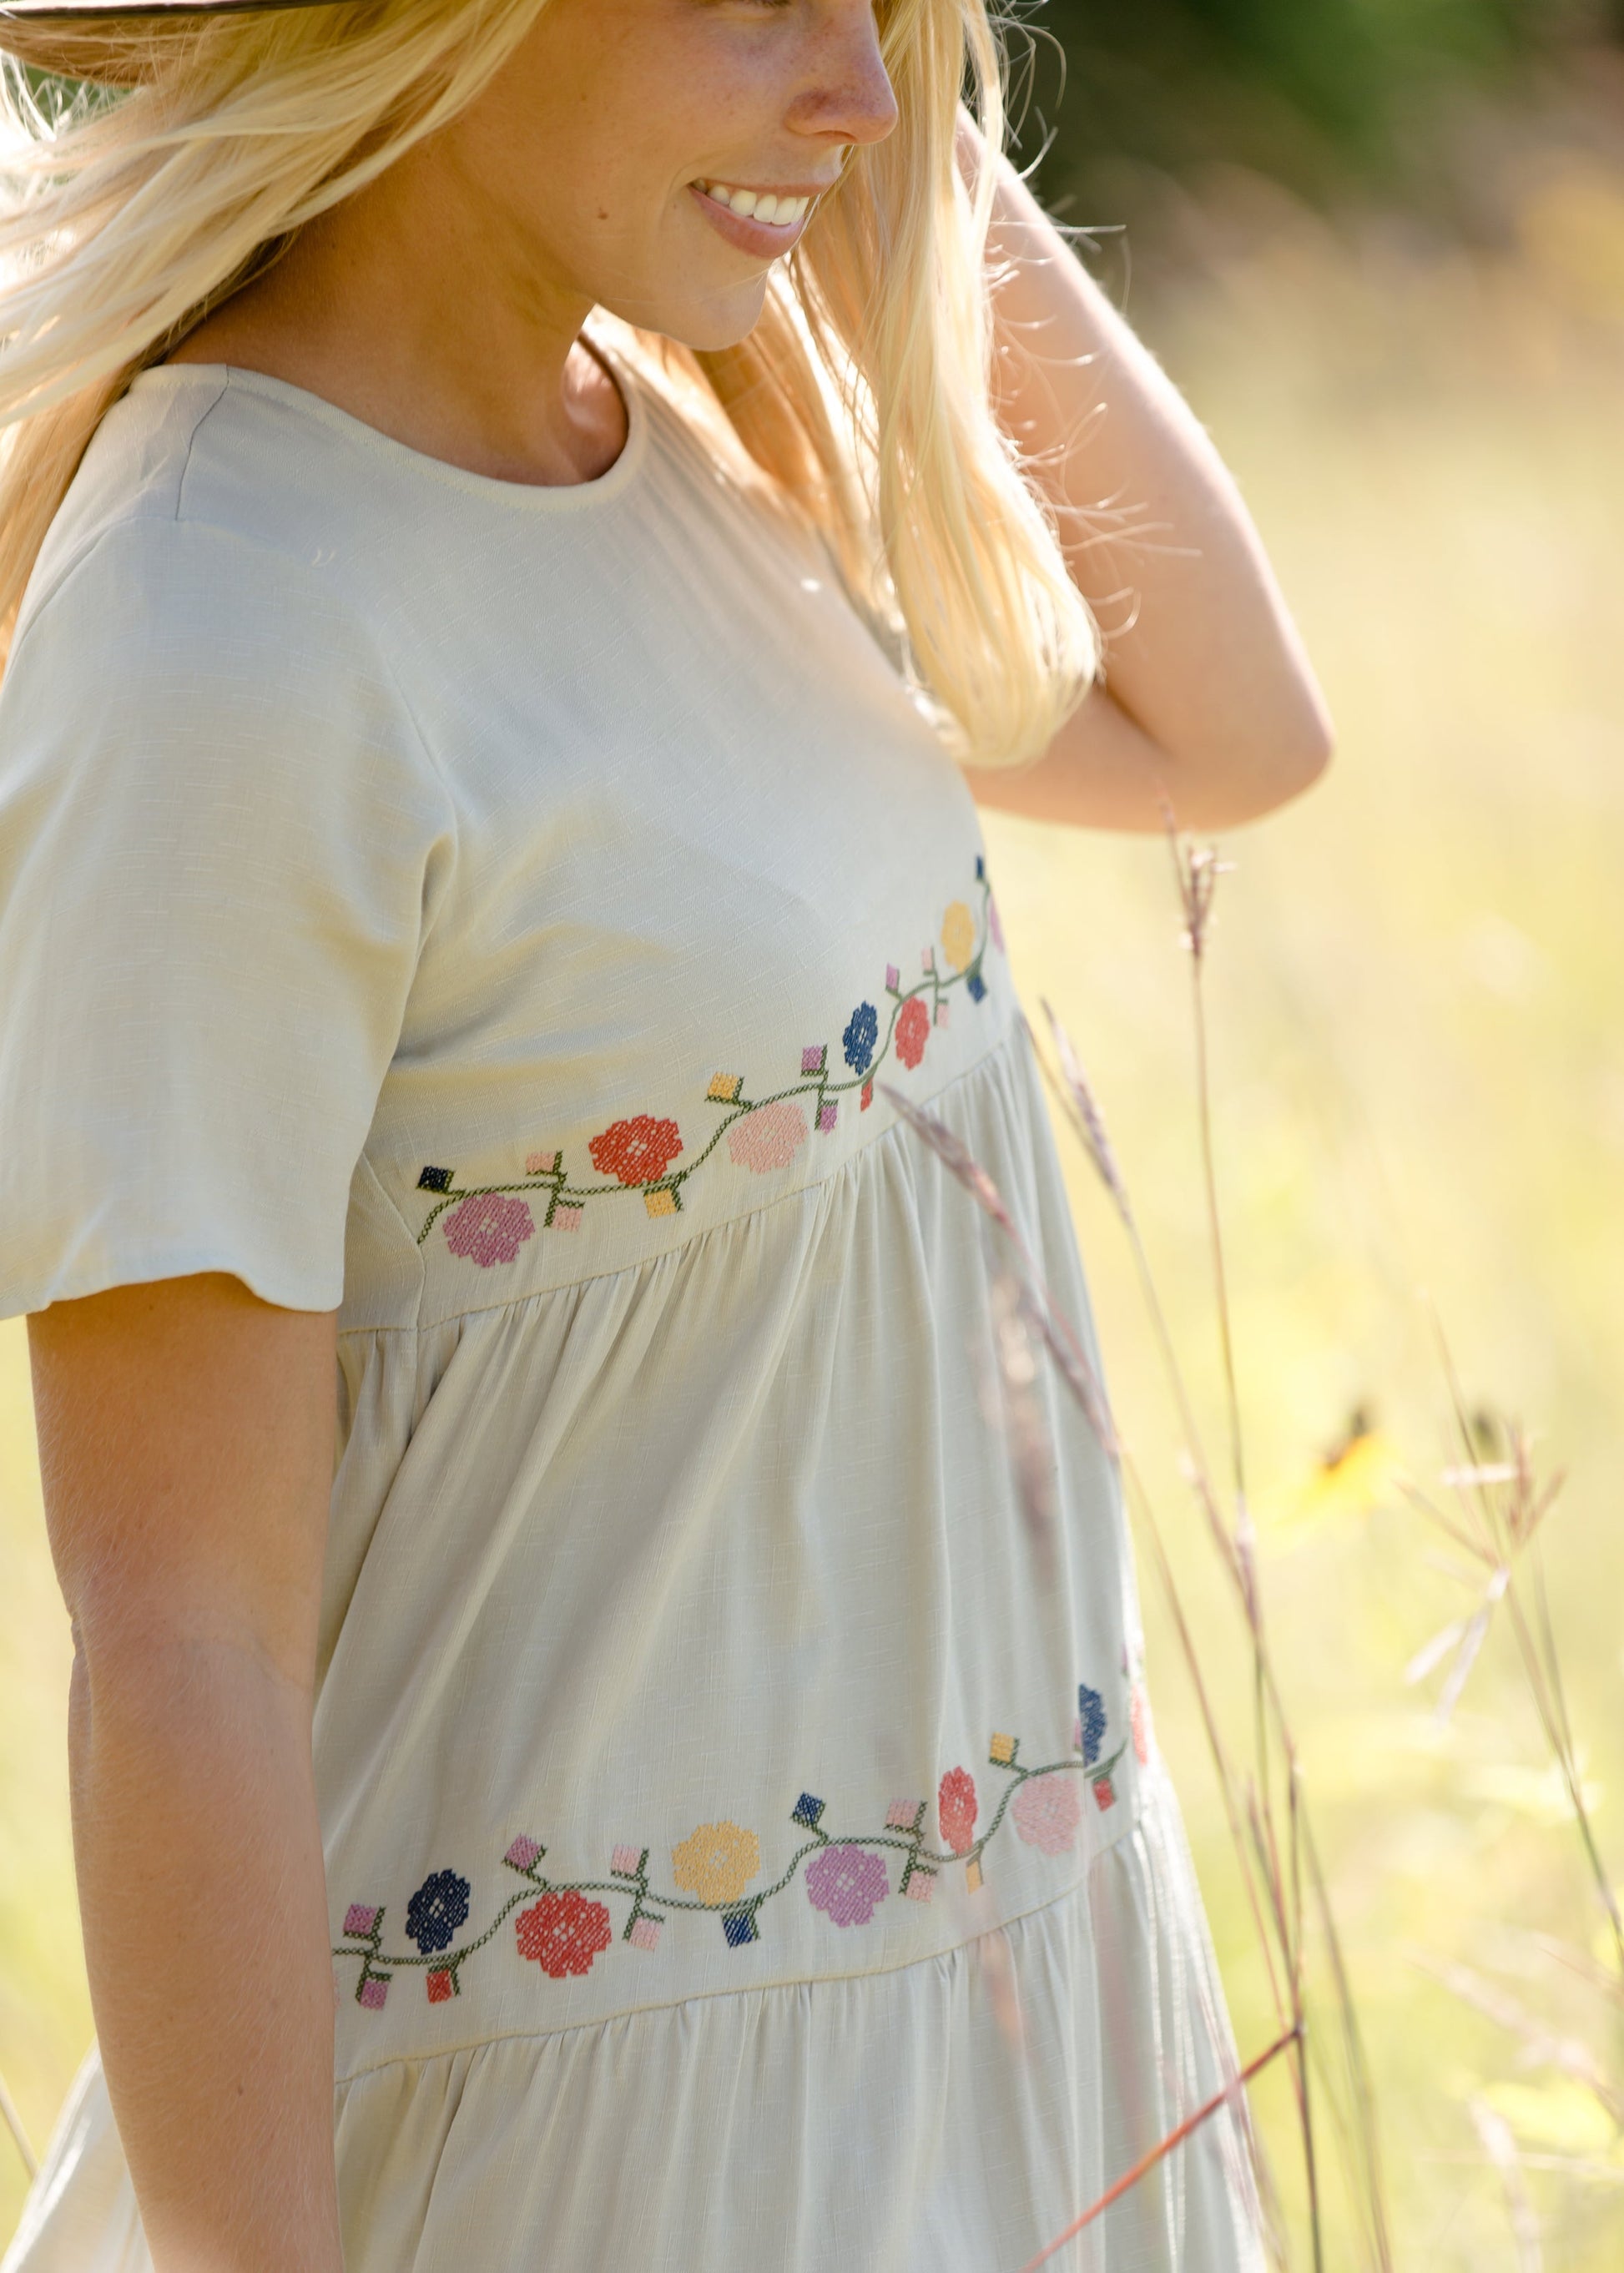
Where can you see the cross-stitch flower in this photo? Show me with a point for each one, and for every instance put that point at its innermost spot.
(849, 1883)
(360, 1918)
(956, 1805)
(994, 927)
(1047, 1811)
(436, 1910)
(913, 1029)
(1104, 1793)
(373, 1994)
(563, 1934)
(523, 1851)
(958, 935)
(716, 1862)
(1139, 1721)
(862, 1033)
(1091, 1711)
(442, 1984)
(768, 1138)
(488, 1229)
(636, 1151)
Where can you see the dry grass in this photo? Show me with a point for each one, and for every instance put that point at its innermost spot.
(1418, 1068)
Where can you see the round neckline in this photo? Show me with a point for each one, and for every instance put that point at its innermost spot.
(531, 497)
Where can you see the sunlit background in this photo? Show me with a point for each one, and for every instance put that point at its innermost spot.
(1379, 243)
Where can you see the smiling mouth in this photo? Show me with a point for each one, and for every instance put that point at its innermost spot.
(763, 206)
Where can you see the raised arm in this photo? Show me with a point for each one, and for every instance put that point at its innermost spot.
(186, 1432)
(1208, 693)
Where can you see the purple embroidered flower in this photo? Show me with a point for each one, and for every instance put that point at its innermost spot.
(849, 1883)
(828, 1114)
(359, 1919)
(863, 1033)
(993, 926)
(373, 1994)
(436, 1910)
(1047, 1811)
(768, 1138)
(894, 978)
(813, 1058)
(488, 1229)
(523, 1853)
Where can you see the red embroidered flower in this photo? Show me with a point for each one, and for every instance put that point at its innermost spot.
(563, 1934)
(912, 1027)
(637, 1151)
(955, 1806)
(488, 1229)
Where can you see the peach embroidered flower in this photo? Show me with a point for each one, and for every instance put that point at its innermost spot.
(716, 1862)
(768, 1138)
(958, 935)
(956, 1804)
(1048, 1809)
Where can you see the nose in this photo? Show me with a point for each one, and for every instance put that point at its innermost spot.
(849, 96)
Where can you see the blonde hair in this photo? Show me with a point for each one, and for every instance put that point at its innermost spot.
(864, 392)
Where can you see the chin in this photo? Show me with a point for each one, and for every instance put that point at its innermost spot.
(708, 325)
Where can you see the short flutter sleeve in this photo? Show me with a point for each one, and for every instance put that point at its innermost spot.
(218, 837)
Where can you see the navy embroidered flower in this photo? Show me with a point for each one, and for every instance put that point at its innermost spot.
(739, 1928)
(863, 1033)
(1091, 1711)
(435, 1180)
(436, 1910)
(807, 1811)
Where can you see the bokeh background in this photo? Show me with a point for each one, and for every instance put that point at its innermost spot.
(1379, 243)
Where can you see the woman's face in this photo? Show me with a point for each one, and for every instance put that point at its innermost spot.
(627, 152)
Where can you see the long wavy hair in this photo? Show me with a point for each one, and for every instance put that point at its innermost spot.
(863, 394)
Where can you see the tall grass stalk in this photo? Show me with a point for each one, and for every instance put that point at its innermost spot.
(1279, 1862)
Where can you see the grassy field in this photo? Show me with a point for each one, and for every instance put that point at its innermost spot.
(1418, 1021)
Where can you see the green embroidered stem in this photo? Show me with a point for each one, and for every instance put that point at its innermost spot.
(377, 1965)
(819, 1086)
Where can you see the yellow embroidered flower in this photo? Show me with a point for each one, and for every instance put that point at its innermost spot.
(958, 935)
(716, 1862)
(1001, 1751)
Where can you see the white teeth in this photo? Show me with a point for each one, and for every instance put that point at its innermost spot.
(778, 212)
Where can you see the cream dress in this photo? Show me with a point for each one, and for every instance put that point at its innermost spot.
(497, 913)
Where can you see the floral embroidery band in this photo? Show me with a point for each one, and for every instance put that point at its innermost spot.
(564, 1930)
(488, 1223)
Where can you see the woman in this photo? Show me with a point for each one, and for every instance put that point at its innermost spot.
(526, 572)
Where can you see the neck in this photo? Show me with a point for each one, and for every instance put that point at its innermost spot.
(414, 309)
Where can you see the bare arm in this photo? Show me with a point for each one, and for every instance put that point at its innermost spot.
(1208, 694)
(187, 1435)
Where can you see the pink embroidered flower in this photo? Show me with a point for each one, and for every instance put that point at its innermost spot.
(956, 1805)
(921, 1885)
(994, 929)
(1139, 1721)
(913, 1028)
(637, 1151)
(1048, 1809)
(523, 1853)
(563, 1934)
(488, 1229)
(768, 1138)
(625, 1862)
(828, 1114)
(645, 1933)
(903, 1815)
(359, 1919)
(849, 1883)
(372, 1995)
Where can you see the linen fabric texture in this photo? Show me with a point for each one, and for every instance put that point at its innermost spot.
(498, 913)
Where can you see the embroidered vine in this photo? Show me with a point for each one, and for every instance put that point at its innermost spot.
(487, 1224)
(564, 1928)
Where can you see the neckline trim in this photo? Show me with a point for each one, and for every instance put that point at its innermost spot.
(526, 497)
